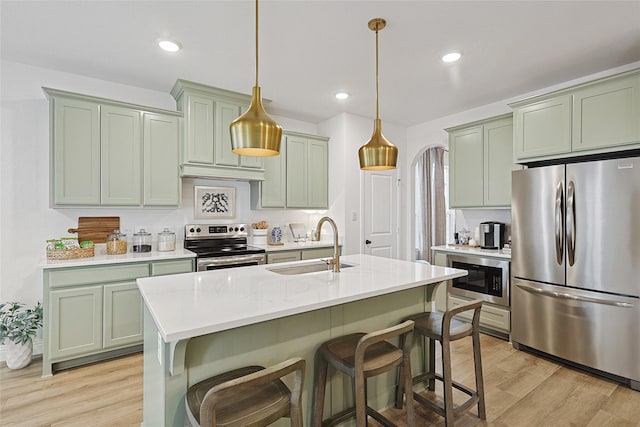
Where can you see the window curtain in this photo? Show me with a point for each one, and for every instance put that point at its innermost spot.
(430, 203)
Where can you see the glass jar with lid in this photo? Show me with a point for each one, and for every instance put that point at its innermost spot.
(116, 243)
(141, 241)
(166, 240)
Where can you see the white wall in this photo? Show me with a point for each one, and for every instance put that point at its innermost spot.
(26, 220)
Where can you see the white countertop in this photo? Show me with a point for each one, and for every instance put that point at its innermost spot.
(292, 246)
(193, 304)
(101, 257)
(472, 251)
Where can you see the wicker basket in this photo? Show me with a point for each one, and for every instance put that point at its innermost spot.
(58, 254)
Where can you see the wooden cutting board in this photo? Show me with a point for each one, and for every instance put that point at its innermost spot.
(95, 228)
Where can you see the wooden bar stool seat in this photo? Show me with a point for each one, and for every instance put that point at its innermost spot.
(248, 396)
(445, 328)
(361, 356)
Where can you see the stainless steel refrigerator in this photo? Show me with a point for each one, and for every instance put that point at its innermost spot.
(575, 263)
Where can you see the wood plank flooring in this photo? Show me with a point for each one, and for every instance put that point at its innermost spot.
(521, 390)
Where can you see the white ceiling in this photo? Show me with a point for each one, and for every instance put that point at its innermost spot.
(311, 49)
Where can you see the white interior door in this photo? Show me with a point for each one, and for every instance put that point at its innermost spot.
(380, 213)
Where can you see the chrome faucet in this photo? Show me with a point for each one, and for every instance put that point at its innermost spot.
(335, 262)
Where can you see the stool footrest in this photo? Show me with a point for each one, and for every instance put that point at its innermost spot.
(435, 376)
(348, 413)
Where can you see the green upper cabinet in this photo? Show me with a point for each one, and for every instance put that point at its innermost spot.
(75, 152)
(110, 153)
(480, 163)
(161, 142)
(298, 178)
(208, 112)
(591, 118)
(121, 153)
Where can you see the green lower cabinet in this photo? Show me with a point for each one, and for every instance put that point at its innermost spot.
(95, 312)
(75, 321)
(122, 315)
(283, 256)
(491, 317)
(317, 253)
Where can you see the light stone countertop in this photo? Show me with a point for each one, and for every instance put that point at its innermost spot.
(461, 250)
(200, 303)
(101, 257)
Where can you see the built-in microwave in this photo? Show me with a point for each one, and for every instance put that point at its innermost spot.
(488, 279)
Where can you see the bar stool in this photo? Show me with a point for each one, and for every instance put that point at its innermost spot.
(251, 395)
(444, 328)
(361, 356)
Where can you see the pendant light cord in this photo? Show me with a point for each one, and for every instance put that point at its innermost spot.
(377, 111)
(256, 43)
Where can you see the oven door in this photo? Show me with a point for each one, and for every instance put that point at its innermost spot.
(217, 263)
(488, 279)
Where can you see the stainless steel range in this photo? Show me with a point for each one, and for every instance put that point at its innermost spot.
(221, 246)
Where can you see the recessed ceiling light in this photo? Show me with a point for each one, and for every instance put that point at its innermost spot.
(169, 45)
(342, 95)
(451, 57)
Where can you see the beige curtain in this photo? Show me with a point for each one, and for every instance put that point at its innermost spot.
(430, 203)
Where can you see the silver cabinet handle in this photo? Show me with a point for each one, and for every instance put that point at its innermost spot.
(559, 223)
(571, 224)
(563, 295)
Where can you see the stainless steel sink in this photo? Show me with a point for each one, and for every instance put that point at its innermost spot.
(305, 268)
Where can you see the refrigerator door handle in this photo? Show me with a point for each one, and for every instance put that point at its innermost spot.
(563, 295)
(571, 224)
(559, 223)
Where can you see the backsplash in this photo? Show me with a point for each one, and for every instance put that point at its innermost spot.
(469, 219)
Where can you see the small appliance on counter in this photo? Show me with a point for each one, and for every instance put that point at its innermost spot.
(492, 235)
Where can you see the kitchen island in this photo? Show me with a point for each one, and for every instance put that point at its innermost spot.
(200, 324)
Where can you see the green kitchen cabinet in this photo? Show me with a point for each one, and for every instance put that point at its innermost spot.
(591, 118)
(495, 318)
(296, 179)
(283, 256)
(299, 254)
(161, 137)
(122, 315)
(75, 152)
(208, 112)
(317, 253)
(75, 322)
(543, 128)
(95, 312)
(110, 153)
(480, 163)
(120, 154)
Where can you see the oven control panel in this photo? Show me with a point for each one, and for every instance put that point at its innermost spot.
(212, 231)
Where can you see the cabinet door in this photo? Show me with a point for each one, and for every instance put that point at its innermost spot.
(161, 173)
(492, 317)
(607, 114)
(76, 321)
(76, 152)
(199, 125)
(121, 150)
(283, 256)
(273, 190)
(225, 113)
(498, 162)
(161, 268)
(543, 128)
(465, 168)
(317, 253)
(122, 315)
(296, 172)
(317, 174)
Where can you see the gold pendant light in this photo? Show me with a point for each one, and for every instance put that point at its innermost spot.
(378, 153)
(255, 133)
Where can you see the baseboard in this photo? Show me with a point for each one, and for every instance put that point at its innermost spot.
(38, 345)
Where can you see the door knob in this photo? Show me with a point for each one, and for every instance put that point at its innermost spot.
(367, 242)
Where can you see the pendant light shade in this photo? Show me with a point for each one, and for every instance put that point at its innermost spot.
(378, 153)
(254, 133)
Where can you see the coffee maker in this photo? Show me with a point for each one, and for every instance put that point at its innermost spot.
(492, 235)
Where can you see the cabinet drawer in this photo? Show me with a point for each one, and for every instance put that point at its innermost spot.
(89, 275)
(317, 253)
(287, 256)
(171, 267)
(491, 316)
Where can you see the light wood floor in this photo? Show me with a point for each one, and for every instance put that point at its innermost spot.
(521, 390)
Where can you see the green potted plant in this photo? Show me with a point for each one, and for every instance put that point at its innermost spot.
(18, 325)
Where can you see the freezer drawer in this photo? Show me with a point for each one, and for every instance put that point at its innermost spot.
(590, 328)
